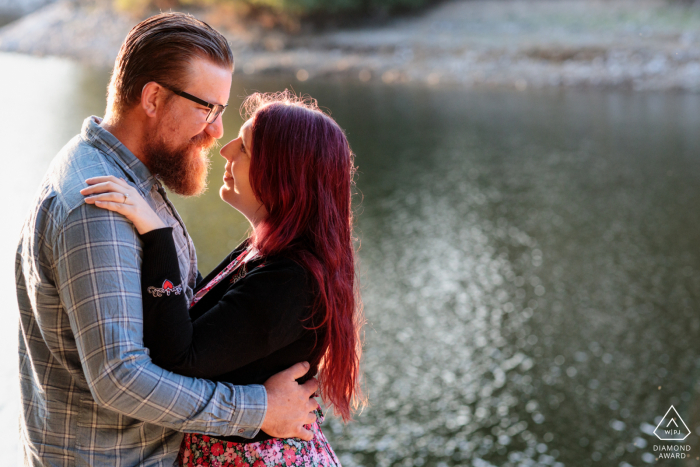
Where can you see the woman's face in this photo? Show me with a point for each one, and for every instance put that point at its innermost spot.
(236, 190)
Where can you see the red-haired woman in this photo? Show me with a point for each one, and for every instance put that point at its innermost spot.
(287, 294)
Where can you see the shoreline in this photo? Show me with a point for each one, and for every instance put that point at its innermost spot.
(627, 44)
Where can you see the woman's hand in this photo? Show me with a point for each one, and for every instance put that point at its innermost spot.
(114, 194)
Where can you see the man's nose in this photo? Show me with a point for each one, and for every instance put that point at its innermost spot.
(216, 128)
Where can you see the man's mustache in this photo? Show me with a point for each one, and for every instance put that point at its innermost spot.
(203, 140)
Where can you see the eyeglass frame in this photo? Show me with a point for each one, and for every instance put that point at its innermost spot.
(212, 107)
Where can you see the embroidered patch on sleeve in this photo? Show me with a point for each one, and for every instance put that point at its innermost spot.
(166, 289)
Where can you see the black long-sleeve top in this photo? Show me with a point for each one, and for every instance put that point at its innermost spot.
(242, 332)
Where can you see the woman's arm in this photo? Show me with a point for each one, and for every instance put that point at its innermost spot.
(260, 314)
(256, 316)
(115, 194)
(161, 291)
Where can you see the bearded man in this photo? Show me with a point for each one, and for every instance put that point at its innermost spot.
(90, 393)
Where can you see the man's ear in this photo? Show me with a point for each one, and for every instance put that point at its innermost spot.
(151, 98)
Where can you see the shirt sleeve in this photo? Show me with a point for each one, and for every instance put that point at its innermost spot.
(261, 313)
(97, 257)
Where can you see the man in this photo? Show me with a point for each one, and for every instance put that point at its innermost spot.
(91, 395)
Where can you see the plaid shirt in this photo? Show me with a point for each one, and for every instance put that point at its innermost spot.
(90, 393)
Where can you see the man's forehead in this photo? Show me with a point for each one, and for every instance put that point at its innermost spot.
(211, 80)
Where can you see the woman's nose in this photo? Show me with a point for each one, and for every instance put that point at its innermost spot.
(226, 151)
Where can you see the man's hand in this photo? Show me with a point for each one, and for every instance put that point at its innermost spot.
(289, 404)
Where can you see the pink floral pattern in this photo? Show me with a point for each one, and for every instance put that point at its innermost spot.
(204, 451)
(232, 266)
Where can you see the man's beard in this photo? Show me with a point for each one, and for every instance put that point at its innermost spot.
(183, 170)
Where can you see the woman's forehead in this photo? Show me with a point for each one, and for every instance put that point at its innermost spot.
(245, 133)
(245, 127)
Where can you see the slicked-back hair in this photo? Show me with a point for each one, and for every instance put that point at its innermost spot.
(161, 49)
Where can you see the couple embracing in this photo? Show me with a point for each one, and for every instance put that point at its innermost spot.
(128, 356)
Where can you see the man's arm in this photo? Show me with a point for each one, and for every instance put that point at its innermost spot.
(97, 271)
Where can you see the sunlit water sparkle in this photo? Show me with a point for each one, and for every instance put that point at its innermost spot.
(530, 261)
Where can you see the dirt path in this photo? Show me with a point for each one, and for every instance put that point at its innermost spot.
(638, 44)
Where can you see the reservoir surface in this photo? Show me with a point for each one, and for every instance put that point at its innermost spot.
(529, 261)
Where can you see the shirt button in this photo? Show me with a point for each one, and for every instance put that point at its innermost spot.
(241, 430)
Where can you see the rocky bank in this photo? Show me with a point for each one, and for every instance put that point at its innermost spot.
(636, 44)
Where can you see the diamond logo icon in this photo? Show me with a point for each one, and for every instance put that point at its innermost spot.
(672, 427)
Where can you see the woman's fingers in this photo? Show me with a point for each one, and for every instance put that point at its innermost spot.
(109, 205)
(105, 187)
(115, 194)
(114, 197)
(101, 187)
(106, 178)
(106, 183)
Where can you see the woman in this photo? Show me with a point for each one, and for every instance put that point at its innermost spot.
(286, 294)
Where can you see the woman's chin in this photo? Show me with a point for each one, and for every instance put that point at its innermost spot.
(224, 193)
(227, 195)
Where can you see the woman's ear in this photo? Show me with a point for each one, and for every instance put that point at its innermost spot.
(151, 98)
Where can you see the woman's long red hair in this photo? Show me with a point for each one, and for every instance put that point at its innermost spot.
(302, 171)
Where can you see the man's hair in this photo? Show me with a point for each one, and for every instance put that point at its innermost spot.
(161, 49)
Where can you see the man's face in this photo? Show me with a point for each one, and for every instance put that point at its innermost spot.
(177, 148)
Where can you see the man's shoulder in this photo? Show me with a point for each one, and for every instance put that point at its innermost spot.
(77, 161)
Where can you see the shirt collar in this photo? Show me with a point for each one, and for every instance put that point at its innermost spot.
(107, 143)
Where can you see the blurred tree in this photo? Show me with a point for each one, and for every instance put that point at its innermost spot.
(296, 8)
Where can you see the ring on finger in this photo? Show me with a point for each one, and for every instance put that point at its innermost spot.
(126, 196)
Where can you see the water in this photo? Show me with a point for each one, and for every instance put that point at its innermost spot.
(530, 262)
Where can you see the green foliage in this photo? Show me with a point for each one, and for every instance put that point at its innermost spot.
(288, 7)
(131, 5)
(333, 6)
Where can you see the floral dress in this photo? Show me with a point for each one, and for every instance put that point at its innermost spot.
(202, 450)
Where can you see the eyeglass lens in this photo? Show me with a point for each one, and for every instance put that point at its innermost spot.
(215, 112)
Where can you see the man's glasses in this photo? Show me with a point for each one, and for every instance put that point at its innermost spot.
(214, 109)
